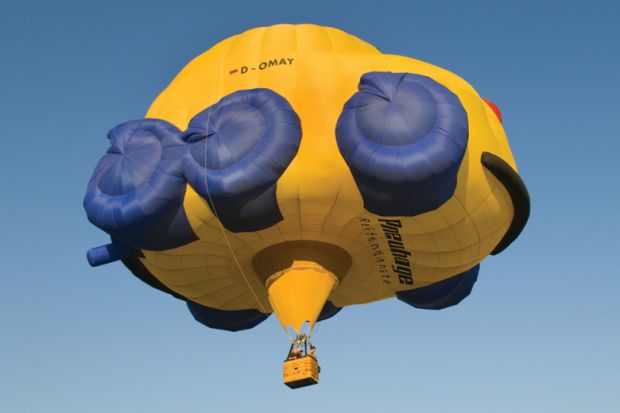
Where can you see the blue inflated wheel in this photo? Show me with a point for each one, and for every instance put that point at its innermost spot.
(136, 191)
(403, 137)
(238, 149)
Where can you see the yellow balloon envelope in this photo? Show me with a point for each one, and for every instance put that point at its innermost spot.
(296, 169)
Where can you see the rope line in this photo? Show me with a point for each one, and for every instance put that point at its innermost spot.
(232, 252)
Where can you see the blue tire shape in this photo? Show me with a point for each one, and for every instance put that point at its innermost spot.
(238, 149)
(328, 311)
(443, 294)
(136, 191)
(231, 320)
(403, 137)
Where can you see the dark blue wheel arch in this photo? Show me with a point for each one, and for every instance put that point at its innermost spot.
(443, 294)
(229, 320)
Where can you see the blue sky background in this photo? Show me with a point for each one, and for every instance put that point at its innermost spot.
(540, 332)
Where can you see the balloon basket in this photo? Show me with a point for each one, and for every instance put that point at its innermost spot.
(301, 372)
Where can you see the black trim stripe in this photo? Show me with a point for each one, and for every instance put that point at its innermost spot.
(519, 196)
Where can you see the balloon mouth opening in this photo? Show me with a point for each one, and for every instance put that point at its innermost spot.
(299, 265)
(278, 258)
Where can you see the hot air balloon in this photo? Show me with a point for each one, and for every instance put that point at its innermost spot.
(296, 169)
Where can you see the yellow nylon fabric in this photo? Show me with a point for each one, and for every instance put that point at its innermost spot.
(317, 194)
(298, 294)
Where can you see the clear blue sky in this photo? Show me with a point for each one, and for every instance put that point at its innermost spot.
(540, 332)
